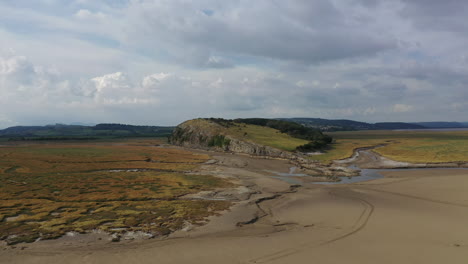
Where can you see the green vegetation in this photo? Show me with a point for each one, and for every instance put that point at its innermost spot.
(265, 136)
(428, 149)
(310, 139)
(350, 125)
(47, 190)
(291, 128)
(407, 146)
(219, 141)
(74, 132)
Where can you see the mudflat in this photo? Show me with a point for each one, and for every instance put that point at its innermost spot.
(406, 217)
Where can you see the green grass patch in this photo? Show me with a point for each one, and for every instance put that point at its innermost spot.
(266, 136)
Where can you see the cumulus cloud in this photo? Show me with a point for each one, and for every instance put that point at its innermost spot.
(218, 62)
(18, 76)
(86, 14)
(402, 108)
(161, 61)
(448, 15)
(303, 31)
(153, 81)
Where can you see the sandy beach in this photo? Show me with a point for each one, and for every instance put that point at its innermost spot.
(405, 217)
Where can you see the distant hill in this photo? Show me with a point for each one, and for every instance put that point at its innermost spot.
(61, 131)
(442, 124)
(331, 125)
(346, 125)
(395, 125)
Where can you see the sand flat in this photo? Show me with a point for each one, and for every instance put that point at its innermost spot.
(407, 217)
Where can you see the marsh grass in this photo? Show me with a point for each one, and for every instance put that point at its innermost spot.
(406, 146)
(48, 190)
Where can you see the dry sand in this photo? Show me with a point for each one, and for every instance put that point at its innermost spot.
(406, 217)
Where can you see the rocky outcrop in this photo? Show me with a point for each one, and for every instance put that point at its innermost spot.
(199, 133)
(240, 146)
(208, 135)
(203, 134)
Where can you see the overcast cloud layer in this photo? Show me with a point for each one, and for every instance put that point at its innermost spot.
(162, 62)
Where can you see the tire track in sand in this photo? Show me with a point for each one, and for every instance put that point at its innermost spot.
(359, 224)
(414, 197)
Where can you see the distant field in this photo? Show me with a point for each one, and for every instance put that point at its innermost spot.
(47, 190)
(266, 136)
(409, 146)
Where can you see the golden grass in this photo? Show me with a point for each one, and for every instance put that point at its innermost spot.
(426, 150)
(406, 146)
(64, 158)
(48, 190)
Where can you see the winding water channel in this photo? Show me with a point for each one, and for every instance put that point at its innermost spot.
(364, 174)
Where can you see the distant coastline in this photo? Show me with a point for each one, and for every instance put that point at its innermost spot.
(435, 129)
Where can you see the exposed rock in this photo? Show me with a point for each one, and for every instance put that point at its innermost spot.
(208, 135)
(115, 237)
(204, 134)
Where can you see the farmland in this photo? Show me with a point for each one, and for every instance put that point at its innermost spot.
(407, 146)
(47, 190)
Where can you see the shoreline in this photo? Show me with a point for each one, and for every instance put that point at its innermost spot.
(243, 196)
(370, 159)
(274, 222)
(253, 194)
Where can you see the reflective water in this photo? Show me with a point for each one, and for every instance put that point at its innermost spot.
(365, 175)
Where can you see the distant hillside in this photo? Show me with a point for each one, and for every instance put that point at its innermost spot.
(60, 131)
(442, 124)
(346, 125)
(255, 136)
(395, 125)
(331, 125)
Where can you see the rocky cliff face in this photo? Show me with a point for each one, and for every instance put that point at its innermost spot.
(204, 134)
(240, 146)
(208, 135)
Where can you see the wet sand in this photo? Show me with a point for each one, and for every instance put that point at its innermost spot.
(405, 217)
(366, 158)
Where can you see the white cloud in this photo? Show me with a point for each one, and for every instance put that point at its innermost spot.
(85, 14)
(218, 62)
(16, 66)
(111, 81)
(151, 82)
(402, 108)
(18, 76)
(302, 31)
(164, 61)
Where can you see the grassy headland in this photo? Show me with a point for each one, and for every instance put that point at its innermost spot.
(282, 135)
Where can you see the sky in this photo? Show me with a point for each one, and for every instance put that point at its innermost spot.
(160, 62)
